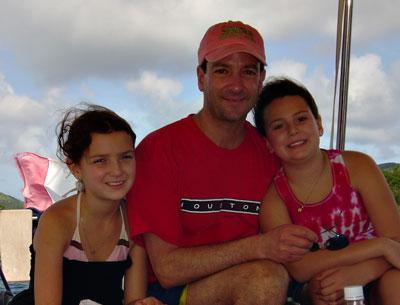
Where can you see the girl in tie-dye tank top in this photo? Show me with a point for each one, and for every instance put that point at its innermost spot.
(340, 195)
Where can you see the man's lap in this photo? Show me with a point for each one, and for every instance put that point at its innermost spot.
(171, 296)
(251, 280)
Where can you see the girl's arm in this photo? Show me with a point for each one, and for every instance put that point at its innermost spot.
(274, 213)
(368, 180)
(49, 243)
(135, 283)
(334, 280)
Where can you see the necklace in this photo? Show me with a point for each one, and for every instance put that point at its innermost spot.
(89, 248)
(313, 185)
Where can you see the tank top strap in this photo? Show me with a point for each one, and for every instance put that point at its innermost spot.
(283, 188)
(77, 237)
(123, 235)
(340, 174)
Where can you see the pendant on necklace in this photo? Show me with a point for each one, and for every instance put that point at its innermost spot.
(300, 208)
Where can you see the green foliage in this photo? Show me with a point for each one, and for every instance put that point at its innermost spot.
(392, 176)
(9, 202)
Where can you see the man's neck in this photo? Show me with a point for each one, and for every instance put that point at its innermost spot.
(228, 135)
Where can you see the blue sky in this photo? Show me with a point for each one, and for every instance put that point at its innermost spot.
(139, 59)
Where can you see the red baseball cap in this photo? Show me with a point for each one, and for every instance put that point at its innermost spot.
(226, 38)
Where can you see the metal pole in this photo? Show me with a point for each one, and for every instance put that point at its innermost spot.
(344, 75)
(3, 279)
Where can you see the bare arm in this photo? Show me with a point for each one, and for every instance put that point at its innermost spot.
(378, 199)
(315, 262)
(49, 243)
(135, 283)
(332, 281)
(274, 214)
(176, 266)
(362, 273)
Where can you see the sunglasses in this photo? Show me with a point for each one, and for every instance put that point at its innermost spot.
(337, 242)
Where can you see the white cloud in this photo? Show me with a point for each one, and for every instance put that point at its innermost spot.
(373, 107)
(22, 109)
(27, 124)
(5, 88)
(64, 40)
(369, 89)
(159, 101)
(159, 88)
(374, 20)
(288, 68)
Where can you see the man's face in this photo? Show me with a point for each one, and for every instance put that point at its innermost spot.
(231, 86)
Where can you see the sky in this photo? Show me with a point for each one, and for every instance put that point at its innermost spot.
(138, 57)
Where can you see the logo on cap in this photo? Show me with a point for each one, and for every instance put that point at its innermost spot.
(236, 31)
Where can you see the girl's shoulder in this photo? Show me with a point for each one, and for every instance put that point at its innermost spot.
(360, 166)
(357, 160)
(64, 207)
(59, 218)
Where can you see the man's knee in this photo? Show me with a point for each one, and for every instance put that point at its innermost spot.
(263, 282)
(253, 283)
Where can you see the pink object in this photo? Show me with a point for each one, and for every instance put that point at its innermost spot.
(230, 37)
(45, 180)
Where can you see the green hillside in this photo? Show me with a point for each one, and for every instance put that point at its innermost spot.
(392, 175)
(9, 202)
(388, 166)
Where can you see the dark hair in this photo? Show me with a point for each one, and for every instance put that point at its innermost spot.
(74, 132)
(203, 66)
(277, 88)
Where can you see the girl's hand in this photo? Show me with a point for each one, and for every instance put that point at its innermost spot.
(335, 298)
(332, 282)
(313, 290)
(148, 301)
(391, 251)
(335, 279)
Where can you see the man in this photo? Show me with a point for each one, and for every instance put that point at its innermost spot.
(199, 185)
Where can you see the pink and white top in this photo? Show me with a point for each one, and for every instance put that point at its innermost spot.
(76, 252)
(341, 212)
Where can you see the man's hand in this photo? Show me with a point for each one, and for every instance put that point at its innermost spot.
(287, 243)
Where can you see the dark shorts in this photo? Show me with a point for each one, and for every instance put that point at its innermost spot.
(294, 293)
(168, 296)
(25, 297)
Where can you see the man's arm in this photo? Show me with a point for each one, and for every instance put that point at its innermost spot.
(176, 266)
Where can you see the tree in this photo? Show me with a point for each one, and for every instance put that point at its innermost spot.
(392, 176)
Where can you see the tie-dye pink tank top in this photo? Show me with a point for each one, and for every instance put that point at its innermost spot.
(341, 212)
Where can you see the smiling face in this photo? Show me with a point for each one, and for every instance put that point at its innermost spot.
(291, 129)
(231, 87)
(107, 168)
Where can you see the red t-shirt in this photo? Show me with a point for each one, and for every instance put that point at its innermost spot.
(191, 192)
